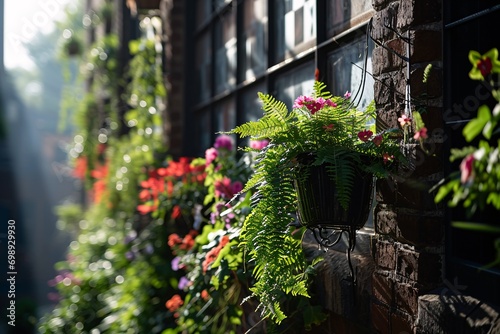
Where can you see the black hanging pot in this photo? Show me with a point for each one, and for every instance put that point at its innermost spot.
(319, 208)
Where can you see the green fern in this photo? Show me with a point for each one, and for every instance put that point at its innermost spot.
(325, 135)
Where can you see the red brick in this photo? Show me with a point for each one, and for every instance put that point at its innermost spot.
(385, 256)
(401, 323)
(406, 297)
(383, 289)
(385, 221)
(381, 318)
(413, 13)
(420, 230)
(424, 268)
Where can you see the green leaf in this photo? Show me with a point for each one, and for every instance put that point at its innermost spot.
(476, 125)
(476, 226)
(445, 189)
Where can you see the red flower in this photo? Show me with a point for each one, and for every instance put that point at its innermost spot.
(187, 242)
(174, 303)
(214, 253)
(176, 212)
(378, 140)
(146, 208)
(144, 195)
(485, 66)
(204, 295)
(80, 167)
(365, 135)
(174, 239)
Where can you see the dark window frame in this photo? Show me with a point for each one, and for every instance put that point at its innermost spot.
(466, 27)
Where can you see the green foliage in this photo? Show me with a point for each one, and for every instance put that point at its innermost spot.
(328, 130)
(477, 185)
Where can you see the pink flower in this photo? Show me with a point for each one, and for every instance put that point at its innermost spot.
(378, 140)
(387, 157)
(258, 144)
(210, 155)
(302, 101)
(365, 135)
(422, 133)
(313, 105)
(467, 168)
(404, 120)
(347, 95)
(224, 141)
(237, 186)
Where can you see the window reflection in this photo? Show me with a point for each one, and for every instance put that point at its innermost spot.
(203, 121)
(203, 11)
(203, 67)
(254, 59)
(225, 115)
(342, 14)
(299, 81)
(251, 104)
(225, 52)
(296, 25)
(345, 71)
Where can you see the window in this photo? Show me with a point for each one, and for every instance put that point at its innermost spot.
(295, 27)
(343, 14)
(253, 46)
(346, 71)
(467, 252)
(243, 47)
(225, 51)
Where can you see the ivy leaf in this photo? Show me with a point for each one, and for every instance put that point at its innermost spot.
(476, 125)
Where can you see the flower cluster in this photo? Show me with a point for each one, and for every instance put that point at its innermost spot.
(210, 248)
(164, 182)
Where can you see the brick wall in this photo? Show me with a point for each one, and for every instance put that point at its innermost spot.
(409, 248)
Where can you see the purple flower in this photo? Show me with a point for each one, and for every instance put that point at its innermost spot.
(224, 141)
(130, 237)
(149, 249)
(130, 255)
(183, 283)
(175, 263)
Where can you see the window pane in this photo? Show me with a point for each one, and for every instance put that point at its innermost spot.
(298, 81)
(254, 50)
(204, 133)
(225, 115)
(203, 11)
(296, 26)
(225, 52)
(251, 105)
(342, 14)
(203, 68)
(220, 3)
(345, 71)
